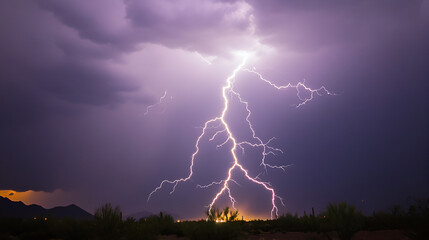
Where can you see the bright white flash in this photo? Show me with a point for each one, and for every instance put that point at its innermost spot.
(220, 123)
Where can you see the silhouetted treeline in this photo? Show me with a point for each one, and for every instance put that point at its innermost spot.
(340, 219)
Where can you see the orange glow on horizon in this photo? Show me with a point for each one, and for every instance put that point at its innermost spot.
(25, 197)
(42, 198)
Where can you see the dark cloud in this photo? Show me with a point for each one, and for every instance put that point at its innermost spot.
(206, 26)
(108, 27)
(44, 66)
(82, 83)
(47, 74)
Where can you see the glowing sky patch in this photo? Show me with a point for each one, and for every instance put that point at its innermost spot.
(45, 199)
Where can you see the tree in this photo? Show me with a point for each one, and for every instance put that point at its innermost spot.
(233, 215)
(214, 214)
(225, 214)
(108, 219)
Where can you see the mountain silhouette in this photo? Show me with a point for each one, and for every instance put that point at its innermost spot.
(10, 208)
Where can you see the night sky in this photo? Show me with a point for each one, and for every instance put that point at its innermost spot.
(77, 77)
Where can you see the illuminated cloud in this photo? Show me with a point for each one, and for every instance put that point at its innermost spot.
(205, 26)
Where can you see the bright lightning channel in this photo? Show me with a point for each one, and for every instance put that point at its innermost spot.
(219, 121)
(161, 100)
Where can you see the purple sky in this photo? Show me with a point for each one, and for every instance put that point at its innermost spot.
(76, 78)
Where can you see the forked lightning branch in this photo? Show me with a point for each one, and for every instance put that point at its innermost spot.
(219, 122)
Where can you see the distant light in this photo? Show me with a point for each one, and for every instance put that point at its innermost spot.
(178, 220)
(46, 219)
(34, 218)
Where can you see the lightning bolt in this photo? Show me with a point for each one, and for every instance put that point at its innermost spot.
(161, 100)
(256, 142)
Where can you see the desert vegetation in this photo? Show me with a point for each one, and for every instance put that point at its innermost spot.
(216, 215)
(340, 220)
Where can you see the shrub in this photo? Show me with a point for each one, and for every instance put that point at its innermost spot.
(343, 218)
